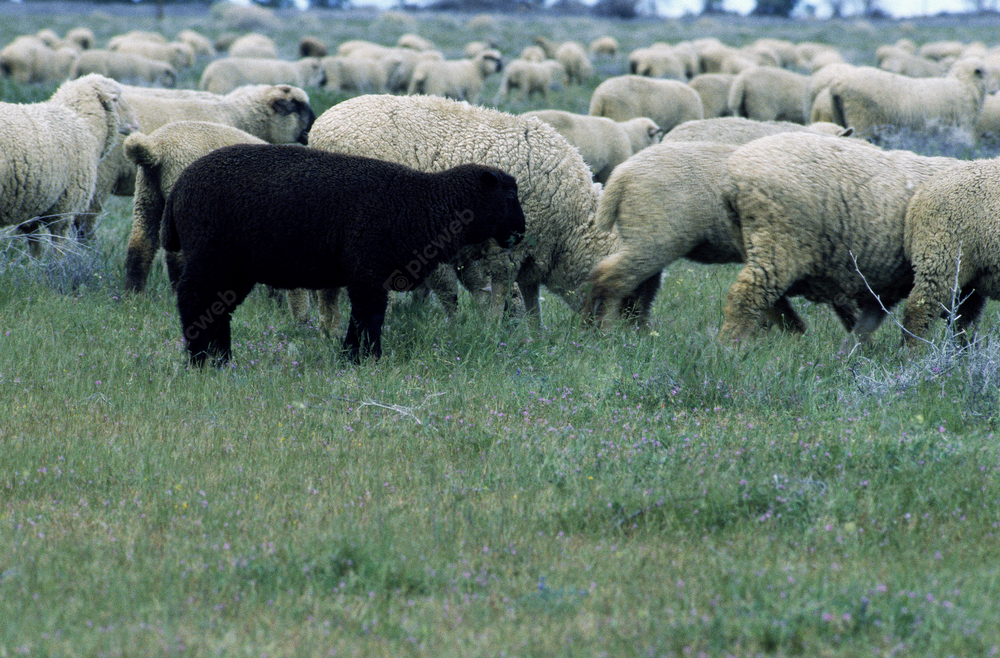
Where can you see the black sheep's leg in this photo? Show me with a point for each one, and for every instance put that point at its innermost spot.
(364, 331)
(637, 305)
(206, 305)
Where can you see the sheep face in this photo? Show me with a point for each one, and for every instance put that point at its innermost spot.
(294, 116)
(498, 201)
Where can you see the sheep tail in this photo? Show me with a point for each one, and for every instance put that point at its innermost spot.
(737, 97)
(141, 150)
(607, 209)
(168, 230)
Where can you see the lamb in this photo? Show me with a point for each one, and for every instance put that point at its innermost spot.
(808, 206)
(52, 150)
(224, 75)
(277, 114)
(127, 68)
(766, 93)
(302, 218)
(556, 189)
(713, 89)
(531, 78)
(738, 130)
(951, 237)
(604, 47)
(461, 79)
(603, 143)
(866, 98)
(667, 102)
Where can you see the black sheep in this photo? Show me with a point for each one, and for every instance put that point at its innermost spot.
(294, 217)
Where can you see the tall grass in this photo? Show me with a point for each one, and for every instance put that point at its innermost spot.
(486, 489)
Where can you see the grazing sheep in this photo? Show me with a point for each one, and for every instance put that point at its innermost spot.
(603, 143)
(473, 48)
(414, 42)
(127, 68)
(574, 59)
(224, 75)
(656, 62)
(178, 54)
(912, 66)
(461, 79)
(604, 47)
(866, 98)
(277, 114)
(399, 64)
(81, 38)
(292, 217)
(988, 121)
(713, 88)
(531, 78)
(952, 238)
(533, 54)
(253, 46)
(52, 149)
(814, 211)
(939, 50)
(199, 43)
(312, 47)
(667, 102)
(28, 59)
(556, 189)
(766, 93)
(160, 156)
(738, 130)
(354, 74)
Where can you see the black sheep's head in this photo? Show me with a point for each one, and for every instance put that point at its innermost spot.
(511, 227)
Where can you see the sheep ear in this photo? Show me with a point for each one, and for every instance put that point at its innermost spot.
(489, 179)
(283, 106)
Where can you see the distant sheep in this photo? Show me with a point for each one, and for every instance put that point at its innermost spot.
(654, 62)
(766, 93)
(414, 42)
(814, 212)
(603, 143)
(866, 98)
(178, 54)
(713, 89)
(224, 75)
(738, 130)
(312, 47)
(667, 102)
(125, 67)
(952, 238)
(253, 46)
(302, 218)
(603, 47)
(52, 150)
(28, 59)
(461, 79)
(530, 78)
(574, 59)
(399, 64)
(360, 74)
(555, 186)
(199, 43)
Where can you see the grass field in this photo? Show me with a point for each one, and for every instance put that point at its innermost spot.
(486, 489)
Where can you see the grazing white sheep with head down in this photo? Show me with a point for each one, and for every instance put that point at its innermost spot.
(461, 79)
(224, 75)
(667, 102)
(52, 149)
(562, 244)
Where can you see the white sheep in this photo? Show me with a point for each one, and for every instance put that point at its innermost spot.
(533, 54)
(200, 44)
(224, 75)
(414, 42)
(52, 150)
(278, 114)
(312, 47)
(81, 38)
(667, 102)
(739, 130)
(178, 54)
(354, 74)
(988, 121)
(605, 46)
(28, 59)
(821, 217)
(253, 46)
(573, 57)
(912, 66)
(766, 93)
(865, 98)
(603, 143)
(125, 67)
(656, 62)
(399, 64)
(461, 79)
(952, 238)
(530, 77)
(555, 188)
(713, 89)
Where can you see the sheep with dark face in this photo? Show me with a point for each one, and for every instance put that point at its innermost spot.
(293, 217)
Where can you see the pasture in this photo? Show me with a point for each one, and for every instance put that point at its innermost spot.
(486, 489)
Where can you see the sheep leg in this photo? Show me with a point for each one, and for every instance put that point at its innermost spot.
(969, 310)
(143, 240)
(206, 312)
(175, 267)
(783, 315)
(298, 304)
(364, 330)
(329, 309)
(756, 290)
(443, 282)
(867, 321)
(637, 305)
(529, 293)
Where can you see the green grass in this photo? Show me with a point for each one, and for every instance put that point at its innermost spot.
(486, 489)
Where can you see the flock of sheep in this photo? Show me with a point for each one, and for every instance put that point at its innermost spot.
(755, 155)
